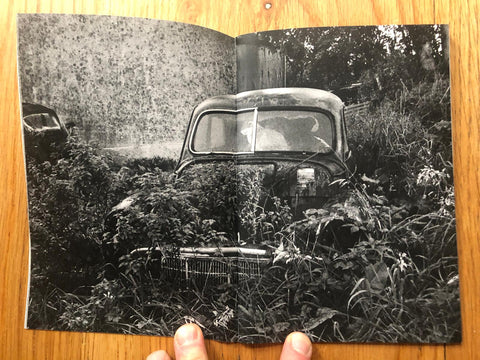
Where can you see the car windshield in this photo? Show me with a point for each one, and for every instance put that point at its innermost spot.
(41, 121)
(263, 130)
(222, 132)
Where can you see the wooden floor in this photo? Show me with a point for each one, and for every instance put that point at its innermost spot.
(236, 17)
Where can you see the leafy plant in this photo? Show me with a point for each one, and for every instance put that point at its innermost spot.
(377, 262)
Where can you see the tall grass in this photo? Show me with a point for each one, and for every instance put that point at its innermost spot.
(377, 263)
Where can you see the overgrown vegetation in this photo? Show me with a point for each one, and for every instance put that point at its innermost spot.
(377, 263)
(396, 282)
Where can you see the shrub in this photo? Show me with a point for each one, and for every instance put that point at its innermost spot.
(213, 188)
(401, 141)
(377, 263)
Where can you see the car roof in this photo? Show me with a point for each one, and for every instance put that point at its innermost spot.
(29, 109)
(269, 98)
(275, 97)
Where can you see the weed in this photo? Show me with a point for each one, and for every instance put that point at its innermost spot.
(376, 263)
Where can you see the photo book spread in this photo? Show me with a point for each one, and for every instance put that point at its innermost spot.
(278, 181)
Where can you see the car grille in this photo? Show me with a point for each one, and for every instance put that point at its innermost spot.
(196, 264)
(212, 269)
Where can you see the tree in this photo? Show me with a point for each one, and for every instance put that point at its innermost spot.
(383, 58)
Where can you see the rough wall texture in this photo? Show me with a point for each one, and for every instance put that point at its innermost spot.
(125, 82)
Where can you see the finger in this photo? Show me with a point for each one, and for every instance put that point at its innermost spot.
(189, 344)
(158, 355)
(297, 346)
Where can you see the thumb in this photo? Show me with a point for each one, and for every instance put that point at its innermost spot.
(297, 346)
(189, 344)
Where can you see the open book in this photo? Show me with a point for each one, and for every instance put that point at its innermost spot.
(287, 180)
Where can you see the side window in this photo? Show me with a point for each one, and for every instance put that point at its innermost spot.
(35, 121)
(50, 121)
(40, 121)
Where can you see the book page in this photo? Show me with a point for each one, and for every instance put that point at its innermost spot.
(349, 185)
(293, 180)
(106, 103)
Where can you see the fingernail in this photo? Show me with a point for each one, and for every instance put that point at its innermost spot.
(158, 355)
(186, 334)
(301, 344)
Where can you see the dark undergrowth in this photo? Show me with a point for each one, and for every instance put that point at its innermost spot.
(378, 264)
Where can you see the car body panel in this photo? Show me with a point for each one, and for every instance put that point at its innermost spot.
(289, 179)
(42, 130)
(269, 99)
(300, 178)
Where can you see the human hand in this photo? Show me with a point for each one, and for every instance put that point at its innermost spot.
(189, 345)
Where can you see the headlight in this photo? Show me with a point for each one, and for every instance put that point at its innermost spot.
(306, 182)
(311, 182)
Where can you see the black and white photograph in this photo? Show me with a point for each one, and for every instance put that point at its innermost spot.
(279, 181)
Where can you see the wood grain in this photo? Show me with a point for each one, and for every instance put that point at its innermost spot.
(237, 17)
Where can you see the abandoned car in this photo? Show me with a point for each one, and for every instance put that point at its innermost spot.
(296, 136)
(293, 140)
(42, 130)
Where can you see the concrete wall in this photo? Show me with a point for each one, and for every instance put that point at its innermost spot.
(124, 81)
